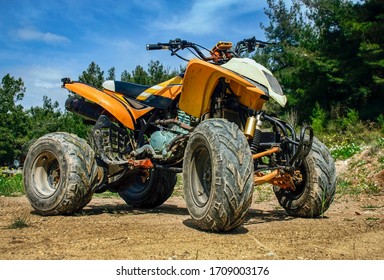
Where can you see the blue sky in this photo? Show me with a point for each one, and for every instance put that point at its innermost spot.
(44, 41)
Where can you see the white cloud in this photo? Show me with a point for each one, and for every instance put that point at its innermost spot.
(32, 34)
(205, 17)
(41, 80)
(44, 76)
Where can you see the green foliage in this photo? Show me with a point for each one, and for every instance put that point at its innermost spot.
(380, 121)
(13, 120)
(319, 119)
(156, 73)
(329, 52)
(111, 74)
(19, 222)
(351, 120)
(44, 119)
(125, 76)
(380, 142)
(344, 151)
(73, 123)
(140, 76)
(19, 128)
(346, 187)
(93, 76)
(11, 185)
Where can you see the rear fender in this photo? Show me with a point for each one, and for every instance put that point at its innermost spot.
(116, 106)
(200, 80)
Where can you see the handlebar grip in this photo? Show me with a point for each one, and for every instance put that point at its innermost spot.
(157, 46)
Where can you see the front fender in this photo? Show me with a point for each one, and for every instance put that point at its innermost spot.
(200, 80)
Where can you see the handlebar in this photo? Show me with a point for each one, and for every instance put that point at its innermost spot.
(157, 46)
(249, 45)
(176, 44)
(246, 45)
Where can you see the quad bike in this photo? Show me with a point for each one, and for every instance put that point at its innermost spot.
(207, 123)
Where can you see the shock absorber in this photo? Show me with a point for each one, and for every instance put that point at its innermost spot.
(253, 130)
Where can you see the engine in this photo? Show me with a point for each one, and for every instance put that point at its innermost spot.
(165, 142)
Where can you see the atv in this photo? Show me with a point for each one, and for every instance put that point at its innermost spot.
(207, 123)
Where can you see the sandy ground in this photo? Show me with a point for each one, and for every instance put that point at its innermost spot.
(108, 229)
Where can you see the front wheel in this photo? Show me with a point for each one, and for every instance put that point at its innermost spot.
(218, 175)
(59, 172)
(315, 191)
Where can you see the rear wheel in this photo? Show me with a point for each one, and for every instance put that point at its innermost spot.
(218, 175)
(148, 189)
(315, 192)
(59, 172)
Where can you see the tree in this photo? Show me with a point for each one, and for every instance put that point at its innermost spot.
(287, 56)
(111, 74)
(126, 76)
(157, 73)
(328, 53)
(13, 120)
(140, 76)
(49, 118)
(44, 119)
(93, 76)
(369, 28)
(72, 123)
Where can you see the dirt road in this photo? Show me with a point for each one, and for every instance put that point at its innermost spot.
(353, 228)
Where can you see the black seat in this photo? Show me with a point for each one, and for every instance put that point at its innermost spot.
(130, 90)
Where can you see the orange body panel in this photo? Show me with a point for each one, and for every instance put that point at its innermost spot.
(200, 80)
(110, 102)
(168, 89)
(171, 91)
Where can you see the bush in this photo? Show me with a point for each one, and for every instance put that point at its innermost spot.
(318, 119)
(380, 121)
(344, 151)
(350, 120)
(11, 185)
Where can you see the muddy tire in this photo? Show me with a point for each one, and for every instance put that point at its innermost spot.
(59, 173)
(148, 190)
(315, 193)
(218, 175)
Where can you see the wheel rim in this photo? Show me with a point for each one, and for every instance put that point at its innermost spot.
(46, 174)
(201, 176)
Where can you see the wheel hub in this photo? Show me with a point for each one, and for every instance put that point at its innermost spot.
(47, 177)
(201, 176)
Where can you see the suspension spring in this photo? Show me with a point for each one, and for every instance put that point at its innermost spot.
(256, 141)
(257, 136)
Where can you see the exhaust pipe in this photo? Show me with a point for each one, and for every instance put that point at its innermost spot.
(88, 110)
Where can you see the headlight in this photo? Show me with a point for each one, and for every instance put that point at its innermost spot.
(273, 83)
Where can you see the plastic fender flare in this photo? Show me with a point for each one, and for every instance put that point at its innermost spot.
(115, 106)
(200, 80)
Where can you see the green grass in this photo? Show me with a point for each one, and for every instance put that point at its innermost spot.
(263, 193)
(345, 187)
(178, 190)
(11, 185)
(19, 222)
(107, 194)
(372, 219)
(371, 207)
(345, 151)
